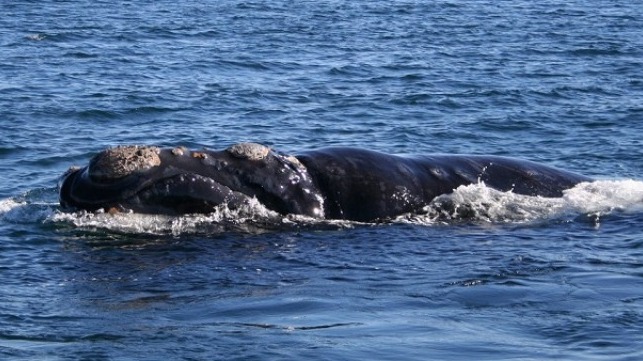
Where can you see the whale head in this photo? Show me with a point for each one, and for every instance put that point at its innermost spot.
(148, 179)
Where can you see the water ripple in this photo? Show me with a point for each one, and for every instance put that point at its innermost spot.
(481, 274)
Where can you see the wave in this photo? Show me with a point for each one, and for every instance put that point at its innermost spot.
(475, 203)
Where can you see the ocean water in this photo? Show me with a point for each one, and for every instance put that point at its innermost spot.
(524, 278)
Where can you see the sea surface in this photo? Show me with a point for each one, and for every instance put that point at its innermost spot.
(519, 278)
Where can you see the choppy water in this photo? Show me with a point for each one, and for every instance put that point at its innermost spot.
(521, 278)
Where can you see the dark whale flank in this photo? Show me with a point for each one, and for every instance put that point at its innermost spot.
(334, 183)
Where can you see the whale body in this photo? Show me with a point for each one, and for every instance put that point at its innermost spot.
(330, 183)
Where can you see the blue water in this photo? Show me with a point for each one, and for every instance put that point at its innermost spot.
(524, 278)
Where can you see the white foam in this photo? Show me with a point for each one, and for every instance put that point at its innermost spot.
(606, 196)
(477, 202)
(245, 218)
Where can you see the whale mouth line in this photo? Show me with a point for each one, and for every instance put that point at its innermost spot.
(172, 194)
(183, 194)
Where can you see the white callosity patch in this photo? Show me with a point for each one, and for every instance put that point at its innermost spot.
(123, 160)
(250, 151)
(179, 151)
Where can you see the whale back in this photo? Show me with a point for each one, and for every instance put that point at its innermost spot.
(364, 185)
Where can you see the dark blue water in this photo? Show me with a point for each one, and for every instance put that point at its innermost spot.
(524, 278)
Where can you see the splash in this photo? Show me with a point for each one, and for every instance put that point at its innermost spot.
(9, 205)
(606, 196)
(480, 203)
(251, 218)
(21, 211)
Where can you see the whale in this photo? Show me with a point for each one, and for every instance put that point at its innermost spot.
(330, 183)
